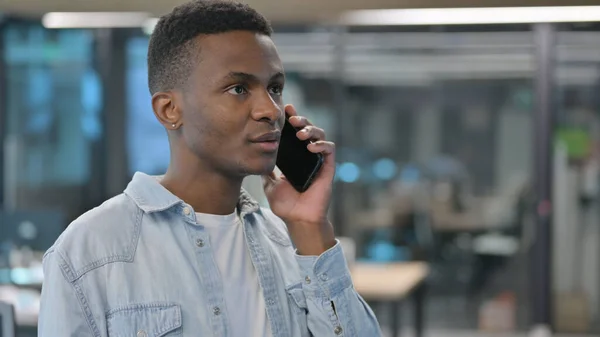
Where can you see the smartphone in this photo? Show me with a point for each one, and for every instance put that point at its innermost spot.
(295, 161)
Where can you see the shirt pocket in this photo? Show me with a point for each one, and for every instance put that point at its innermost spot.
(299, 309)
(145, 320)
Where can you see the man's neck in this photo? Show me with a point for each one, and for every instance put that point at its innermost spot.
(206, 191)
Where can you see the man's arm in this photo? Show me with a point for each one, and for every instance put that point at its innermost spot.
(334, 307)
(61, 313)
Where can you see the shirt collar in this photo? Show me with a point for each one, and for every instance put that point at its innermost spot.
(150, 196)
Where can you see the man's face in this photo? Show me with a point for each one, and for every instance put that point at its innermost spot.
(232, 110)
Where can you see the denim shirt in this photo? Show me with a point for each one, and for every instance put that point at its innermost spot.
(140, 265)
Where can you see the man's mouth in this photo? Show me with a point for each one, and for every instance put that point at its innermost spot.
(269, 142)
(272, 136)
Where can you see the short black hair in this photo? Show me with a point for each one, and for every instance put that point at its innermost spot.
(171, 51)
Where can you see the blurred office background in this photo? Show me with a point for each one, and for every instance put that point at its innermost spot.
(436, 126)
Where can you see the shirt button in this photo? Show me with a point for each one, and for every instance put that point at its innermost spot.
(200, 243)
(186, 211)
(216, 311)
(338, 330)
(142, 333)
(307, 280)
(324, 277)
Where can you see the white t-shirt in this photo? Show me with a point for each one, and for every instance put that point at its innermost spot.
(243, 296)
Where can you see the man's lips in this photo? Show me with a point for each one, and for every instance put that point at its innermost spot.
(269, 142)
(272, 136)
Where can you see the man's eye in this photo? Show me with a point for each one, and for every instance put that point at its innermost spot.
(276, 90)
(237, 90)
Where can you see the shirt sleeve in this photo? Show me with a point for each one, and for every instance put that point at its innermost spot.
(334, 306)
(61, 311)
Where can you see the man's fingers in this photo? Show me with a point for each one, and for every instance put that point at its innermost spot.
(311, 133)
(322, 146)
(290, 110)
(299, 122)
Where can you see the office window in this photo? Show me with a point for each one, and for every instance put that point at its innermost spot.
(53, 111)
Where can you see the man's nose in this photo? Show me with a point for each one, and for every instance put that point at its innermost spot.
(267, 109)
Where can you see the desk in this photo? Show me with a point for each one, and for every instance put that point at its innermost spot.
(393, 283)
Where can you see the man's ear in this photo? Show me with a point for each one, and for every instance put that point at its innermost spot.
(166, 111)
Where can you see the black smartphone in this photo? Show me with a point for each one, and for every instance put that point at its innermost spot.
(295, 161)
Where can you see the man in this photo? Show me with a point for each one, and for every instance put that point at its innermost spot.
(188, 254)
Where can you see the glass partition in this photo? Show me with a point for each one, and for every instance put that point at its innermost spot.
(576, 243)
(53, 107)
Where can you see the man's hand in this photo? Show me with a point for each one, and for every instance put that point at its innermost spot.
(305, 214)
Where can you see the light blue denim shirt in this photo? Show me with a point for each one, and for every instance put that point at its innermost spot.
(139, 265)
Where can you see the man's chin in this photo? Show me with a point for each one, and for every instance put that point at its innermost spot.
(267, 170)
(260, 170)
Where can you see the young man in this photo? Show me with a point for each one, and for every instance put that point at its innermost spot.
(190, 253)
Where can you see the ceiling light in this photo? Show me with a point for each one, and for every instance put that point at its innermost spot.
(94, 19)
(471, 16)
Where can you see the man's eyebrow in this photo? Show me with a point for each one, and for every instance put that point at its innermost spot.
(278, 76)
(245, 77)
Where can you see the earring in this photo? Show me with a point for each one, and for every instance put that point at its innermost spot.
(174, 126)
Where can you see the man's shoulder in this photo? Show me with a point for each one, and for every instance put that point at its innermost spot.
(111, 213)
(105, 234)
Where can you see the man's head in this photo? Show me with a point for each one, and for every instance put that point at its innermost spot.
(216, 81)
